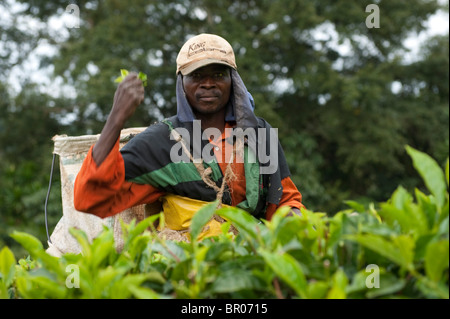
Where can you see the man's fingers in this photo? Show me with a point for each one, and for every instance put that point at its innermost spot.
(133, 84)
(139, 96)
(130, 92)
(133, 77)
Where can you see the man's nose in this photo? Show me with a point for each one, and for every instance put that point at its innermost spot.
(208, 82)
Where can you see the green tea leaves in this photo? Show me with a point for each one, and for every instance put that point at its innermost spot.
(404, 240)
(288, 269)
(431, 174)
(7, 266)
(29, 242)
(399, 249)
(143, 78)
(123, 74)
(201, 218)
(436, 259)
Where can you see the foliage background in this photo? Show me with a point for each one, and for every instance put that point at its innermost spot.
(343, 116)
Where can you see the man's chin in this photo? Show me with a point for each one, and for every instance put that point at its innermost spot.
(208, 110)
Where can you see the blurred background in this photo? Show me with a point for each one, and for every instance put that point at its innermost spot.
(346, 97)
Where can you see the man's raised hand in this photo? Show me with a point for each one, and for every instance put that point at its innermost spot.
(129, 95)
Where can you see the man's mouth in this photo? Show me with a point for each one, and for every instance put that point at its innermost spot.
(208, 98)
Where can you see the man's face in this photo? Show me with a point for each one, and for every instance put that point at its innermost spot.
(208, 88)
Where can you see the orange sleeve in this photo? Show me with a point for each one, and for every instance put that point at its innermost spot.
(103, 191)
(291, 197)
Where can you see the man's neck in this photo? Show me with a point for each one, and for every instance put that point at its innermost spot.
(216, 120)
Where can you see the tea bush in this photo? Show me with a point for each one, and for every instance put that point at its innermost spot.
(395, 249)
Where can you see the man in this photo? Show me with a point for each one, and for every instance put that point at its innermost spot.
(210, 94)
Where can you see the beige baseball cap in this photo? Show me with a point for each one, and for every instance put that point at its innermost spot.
(202, 50)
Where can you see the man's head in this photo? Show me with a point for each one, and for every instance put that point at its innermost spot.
(208, 88)
(204, 62)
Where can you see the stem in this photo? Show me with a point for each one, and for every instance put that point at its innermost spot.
(278, 292)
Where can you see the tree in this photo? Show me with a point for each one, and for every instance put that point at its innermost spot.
(26, 128)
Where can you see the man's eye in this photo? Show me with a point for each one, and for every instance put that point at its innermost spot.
(197, 76)
(218, 75)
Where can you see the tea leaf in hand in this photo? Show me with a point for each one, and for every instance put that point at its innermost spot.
(123, 73)
(143, 78)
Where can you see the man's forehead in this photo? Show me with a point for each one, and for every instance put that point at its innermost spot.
(211, 68)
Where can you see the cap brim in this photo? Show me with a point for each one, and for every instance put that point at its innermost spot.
(204, 62)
